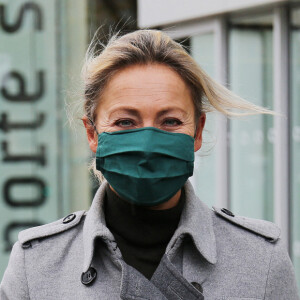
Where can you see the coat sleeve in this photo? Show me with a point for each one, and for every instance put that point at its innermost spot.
(281, 282)
(14, 283)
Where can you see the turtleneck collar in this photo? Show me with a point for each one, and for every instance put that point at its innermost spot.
(140, 225)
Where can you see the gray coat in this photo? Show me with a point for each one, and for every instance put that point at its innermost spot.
(212, 255)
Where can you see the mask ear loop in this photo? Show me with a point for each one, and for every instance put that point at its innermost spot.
(93, 124)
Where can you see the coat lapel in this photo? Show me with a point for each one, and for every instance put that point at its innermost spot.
(196, 235)
(94, 227)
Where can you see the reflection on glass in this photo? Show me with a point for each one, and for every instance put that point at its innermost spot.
(251, 153)
(295, 139)
(202, 49)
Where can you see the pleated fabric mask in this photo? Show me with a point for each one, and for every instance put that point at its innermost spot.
(146, 166)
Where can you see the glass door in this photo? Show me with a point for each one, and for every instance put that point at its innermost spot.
(204, 179)
(251, 138)
(295, 139)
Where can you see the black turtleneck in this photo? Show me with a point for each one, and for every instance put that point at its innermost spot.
(142, 234)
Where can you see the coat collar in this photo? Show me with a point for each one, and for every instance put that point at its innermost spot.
(95, 226)
(196, 222)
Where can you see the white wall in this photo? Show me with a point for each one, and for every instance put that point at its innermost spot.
(152, 13)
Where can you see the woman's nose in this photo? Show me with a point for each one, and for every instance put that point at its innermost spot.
(149, 123)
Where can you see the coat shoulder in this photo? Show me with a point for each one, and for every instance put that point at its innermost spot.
(270, 231)
(25, 237)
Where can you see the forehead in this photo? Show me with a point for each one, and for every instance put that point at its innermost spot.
(146, 85)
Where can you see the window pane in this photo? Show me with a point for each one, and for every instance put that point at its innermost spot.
(295, 139)
(251, 153)
(202, 49)
(43, 170)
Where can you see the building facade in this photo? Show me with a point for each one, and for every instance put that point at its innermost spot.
(43, 173)
(44, 154)
(252, 164)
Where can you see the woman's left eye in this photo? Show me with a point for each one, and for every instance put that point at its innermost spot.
(172, 122)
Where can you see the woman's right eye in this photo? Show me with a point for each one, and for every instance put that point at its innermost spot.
(124, 123)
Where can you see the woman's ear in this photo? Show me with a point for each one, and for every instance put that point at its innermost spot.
(91, 134)
(198, 135)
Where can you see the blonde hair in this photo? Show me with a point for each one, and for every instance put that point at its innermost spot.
(143, 47)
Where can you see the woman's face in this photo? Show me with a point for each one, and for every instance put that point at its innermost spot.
(146, 96)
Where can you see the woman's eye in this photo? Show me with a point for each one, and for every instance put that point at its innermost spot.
(124, 123)
(172, 122)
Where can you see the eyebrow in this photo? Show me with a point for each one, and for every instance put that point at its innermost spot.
(131, 111)
(170, 110)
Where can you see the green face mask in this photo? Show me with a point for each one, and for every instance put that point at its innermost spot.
(146, 166)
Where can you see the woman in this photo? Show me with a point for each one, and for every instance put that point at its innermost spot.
(147, 235)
